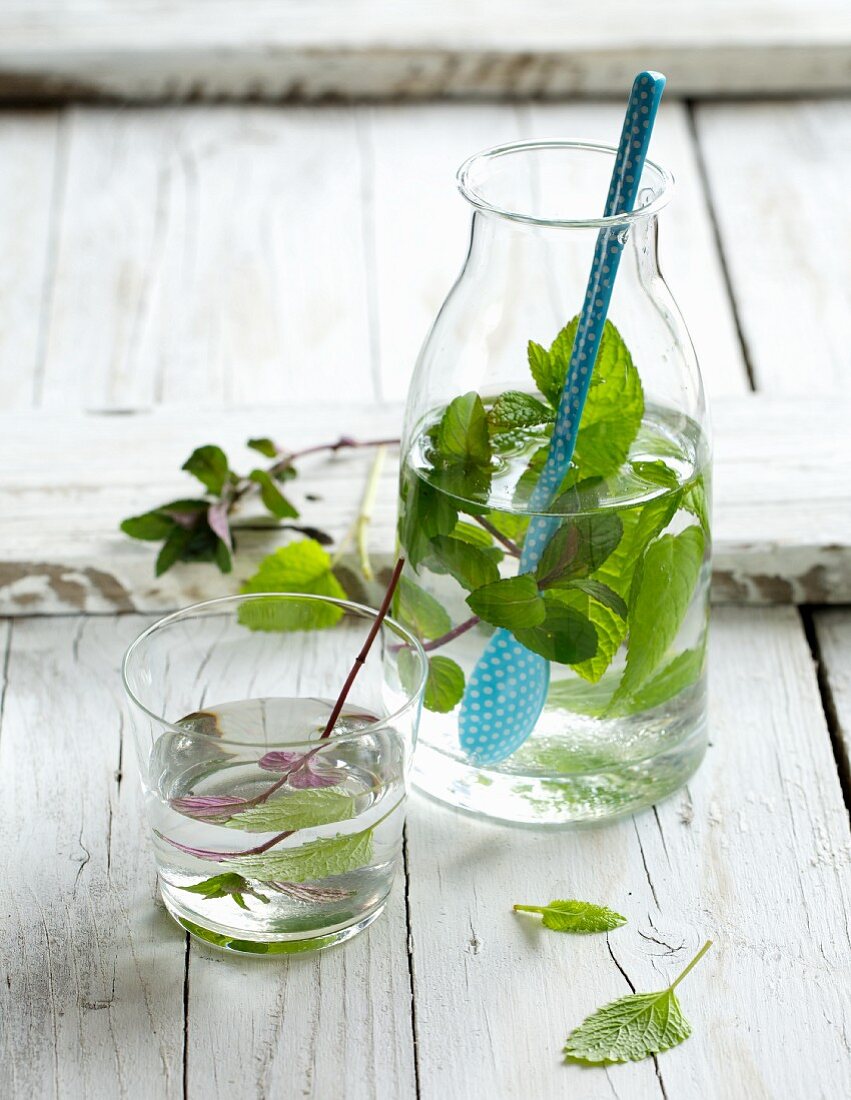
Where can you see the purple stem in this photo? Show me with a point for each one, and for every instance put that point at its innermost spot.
(452, 634)
(510, 546)
(220, 857)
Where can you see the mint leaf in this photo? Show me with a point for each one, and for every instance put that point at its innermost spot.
(663, 584)
(512, 603)
(580, 697)
(210, 465)
(575, 916)
(696, 501)
(301, 809)
(514, 410)
(679, 673)
(632, 1027)
(602, 593)
(424, 513)
(318, 859)
(173, 549)
(547, 370)
(468, 564)
(265, 446)
(225, 886)
(444, 686)
(476, 536)
(150, 526)
(272, 497)
(298, 567)
(512, 525)
(462, 435)
(421, 611)
(656, 473)
(566, 636)
(579, 547)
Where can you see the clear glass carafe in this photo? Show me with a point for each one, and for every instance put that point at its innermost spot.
(618, 608)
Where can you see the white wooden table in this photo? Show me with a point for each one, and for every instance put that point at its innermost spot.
(161, 269)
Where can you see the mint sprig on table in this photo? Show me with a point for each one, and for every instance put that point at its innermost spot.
(575, 916)
(633, 1027)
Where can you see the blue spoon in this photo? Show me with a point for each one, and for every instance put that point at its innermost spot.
(508, 687)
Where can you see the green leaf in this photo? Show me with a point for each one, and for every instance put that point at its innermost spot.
(566, 636)
(657, 473)
(633, 1027)
(150, 526)
(678, 674)
(602, 593)
(579, 548)
(575, 916)
(513, 603)
(173, 549)
(476, 536)
(318, 859)
(514, 409)
(511, 524)
(444, 686)
(299, 809)
(265, 446)
(664, 583)
(462, 435)
(580, 697)
(210, 465)
(225, 886)
(223, 557)
(298, 567)
(696, 501)
(424, 513)
(468, 564)
(420, 610)
(546, 372)
(272, 497)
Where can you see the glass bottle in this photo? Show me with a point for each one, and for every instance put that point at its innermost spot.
(619, 609)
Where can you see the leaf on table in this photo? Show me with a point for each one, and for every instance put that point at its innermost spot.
(299, 809)
(662, 589)
(420, 611)
(304, 567)
(273, 499)
(150, 526)
(217, 517)
(468, 564)
(210, 465)
(264, 446)
(514, 602)
(575, 916)
(318, 859)
(173, 549)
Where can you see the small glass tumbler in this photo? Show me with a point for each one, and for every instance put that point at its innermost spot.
(271, 836)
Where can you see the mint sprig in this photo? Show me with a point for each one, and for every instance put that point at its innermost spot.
(633, 1027)
(575, 916)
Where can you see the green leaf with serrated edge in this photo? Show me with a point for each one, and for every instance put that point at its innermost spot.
(663, 584)
(462, 434)
(476, 536)
(225, 886)
(302, 566)
(424, 513)
(514, 409)
(265, 446)
(273, 499)
(579, 548)
(150, 526)
(566, 636)
(578, 496)
(575, 916)
(696, 500)
(580, 697)
(318, 859)
(529, 478)
(633, 1027)
(300, 809)
(469, 565)
(514, 602)
(656, 473)
(173, 549)
(512, 525)
(546, 372)
(602, 593)
(210, 465)
(419, 610)
(678, 674)
(444, 686)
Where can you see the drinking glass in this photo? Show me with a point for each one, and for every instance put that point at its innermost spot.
(270, 837)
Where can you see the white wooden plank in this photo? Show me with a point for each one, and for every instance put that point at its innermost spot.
(833, 631)
(777, 174)
(782, 504)
(212, 255)
(92, 1002)
(331, 1026)
(32, 154)
(151, 49)
(754, 854)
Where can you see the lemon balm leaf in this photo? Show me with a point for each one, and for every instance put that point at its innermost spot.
(575, 916)
(633, 1027)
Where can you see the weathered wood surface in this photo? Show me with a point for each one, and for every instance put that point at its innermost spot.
(150, 49)
(833, 636)
(782, 499)
(754, 854)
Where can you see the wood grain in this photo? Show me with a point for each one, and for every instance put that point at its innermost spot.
(753, 854)
(776, 175)
(149, 49)
(782, 505)
(833, 634)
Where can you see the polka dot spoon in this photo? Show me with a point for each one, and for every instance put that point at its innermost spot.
(508, 687)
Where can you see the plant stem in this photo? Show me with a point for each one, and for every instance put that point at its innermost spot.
(452, 634)
(360, 660)
(692, 964)
(360, 525)
(220, 857)
(345, 442)
(510, 546)
(528, 909)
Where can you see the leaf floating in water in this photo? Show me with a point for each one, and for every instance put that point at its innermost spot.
(214, 808)
(300, 891)
(305, 770)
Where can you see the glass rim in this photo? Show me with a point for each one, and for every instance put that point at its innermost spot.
(346, 605)
(476, 199)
